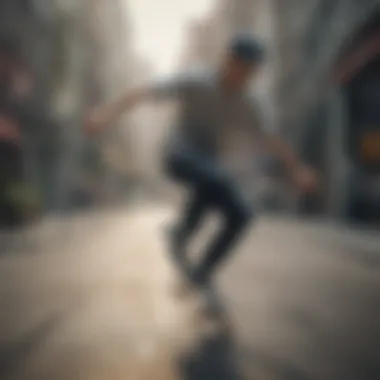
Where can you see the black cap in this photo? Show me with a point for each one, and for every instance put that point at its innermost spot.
(247, 48)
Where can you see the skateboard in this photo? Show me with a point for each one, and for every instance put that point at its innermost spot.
(213, 308)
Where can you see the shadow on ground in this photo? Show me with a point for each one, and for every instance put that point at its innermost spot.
(213, 358)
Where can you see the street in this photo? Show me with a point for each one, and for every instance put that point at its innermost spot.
(306, 301)
(91, 297)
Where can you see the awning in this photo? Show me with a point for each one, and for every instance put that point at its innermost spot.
(357, 58)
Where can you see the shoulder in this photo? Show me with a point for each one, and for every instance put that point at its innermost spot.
(198, 75)
(259, 104)
(262, 110)
(255, 100)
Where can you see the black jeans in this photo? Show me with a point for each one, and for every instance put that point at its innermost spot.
(212, 190)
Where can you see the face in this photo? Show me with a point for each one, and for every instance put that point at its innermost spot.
(238, 73)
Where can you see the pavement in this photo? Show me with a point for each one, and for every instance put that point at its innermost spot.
(91, 297)
(305, 298)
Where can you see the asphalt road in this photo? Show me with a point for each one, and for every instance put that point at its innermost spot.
(305, 298)
(92, 297)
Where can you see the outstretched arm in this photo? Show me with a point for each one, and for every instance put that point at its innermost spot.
(303, 176)
(282, 150)
(106, 115)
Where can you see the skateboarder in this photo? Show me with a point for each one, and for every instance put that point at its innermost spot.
(212, 106)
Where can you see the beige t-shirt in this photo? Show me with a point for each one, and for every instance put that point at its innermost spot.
(209, 118)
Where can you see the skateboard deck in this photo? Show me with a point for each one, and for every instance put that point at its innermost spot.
(213, 307)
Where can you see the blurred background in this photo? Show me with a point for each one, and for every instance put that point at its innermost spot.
(60, 58)
(305, 303)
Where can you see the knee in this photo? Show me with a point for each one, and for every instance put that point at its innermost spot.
(217, 184)
(172, 166)
(236, 210)
(226, 196)
(240, 215)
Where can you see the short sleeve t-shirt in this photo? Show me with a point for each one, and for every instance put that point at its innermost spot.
(208, 115)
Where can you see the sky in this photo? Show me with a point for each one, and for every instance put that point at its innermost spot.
(160, 28)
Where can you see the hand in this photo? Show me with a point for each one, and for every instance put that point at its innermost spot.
(306, 179)
(97, 120)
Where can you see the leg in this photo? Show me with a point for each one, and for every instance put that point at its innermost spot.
(188, 168)
(191, 219)
(237, 215)
(201, 172)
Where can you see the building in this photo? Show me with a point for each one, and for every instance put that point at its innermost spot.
(78, 54)
(317, 113)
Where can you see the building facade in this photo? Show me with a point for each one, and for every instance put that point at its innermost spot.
(307, 40)
(78, 53)
(314, 110)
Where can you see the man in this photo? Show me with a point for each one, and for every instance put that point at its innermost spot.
(212, 107)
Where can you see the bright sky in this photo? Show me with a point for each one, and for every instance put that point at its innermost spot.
(160, 27)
